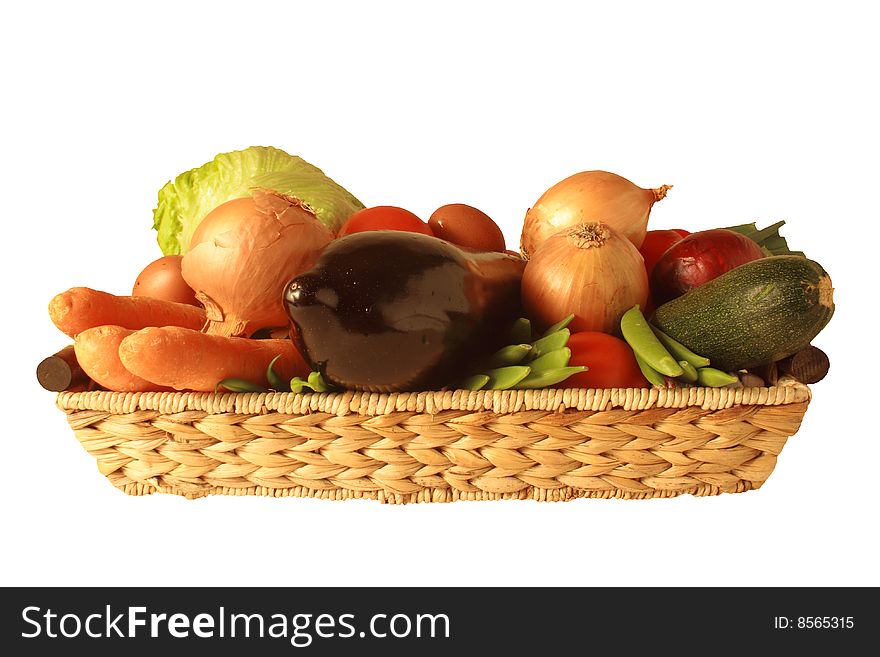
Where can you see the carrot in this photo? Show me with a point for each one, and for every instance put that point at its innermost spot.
(97, 350)
(184, 359)
(82, 308)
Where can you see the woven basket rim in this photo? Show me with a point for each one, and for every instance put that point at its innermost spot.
(787, 391)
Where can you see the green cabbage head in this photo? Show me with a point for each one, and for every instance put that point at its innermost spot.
(184, 201)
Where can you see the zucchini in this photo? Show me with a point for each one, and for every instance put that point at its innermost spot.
(757, 313)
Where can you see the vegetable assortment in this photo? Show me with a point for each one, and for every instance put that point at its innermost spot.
(275, 278)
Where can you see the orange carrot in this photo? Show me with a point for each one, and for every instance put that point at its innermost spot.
(184, 359)
(82, 308)
(97, 350)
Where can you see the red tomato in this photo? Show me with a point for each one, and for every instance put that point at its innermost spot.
(384, 217)
(682, 231)
(610, 361)
(655, 245)
(466, 226)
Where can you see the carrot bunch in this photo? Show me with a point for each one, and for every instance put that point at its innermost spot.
(138, 344)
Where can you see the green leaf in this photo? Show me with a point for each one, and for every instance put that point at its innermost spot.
(769, 239)
(274, 380)
(239, 385)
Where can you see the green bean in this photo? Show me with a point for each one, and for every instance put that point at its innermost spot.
(638, 334)
(552, 360)
(690, 372)
(503, 378)
(239, 385)
(712, 378)
(558, 326)
(510, 355)
(549, 377)
(654, 377)
(275, 381)
(475, 382)
(550, 343)
(521, 331)
(679, 351)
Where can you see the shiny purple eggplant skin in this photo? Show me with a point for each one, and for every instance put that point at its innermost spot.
(389, 311)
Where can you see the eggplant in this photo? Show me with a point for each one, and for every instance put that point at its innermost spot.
(389, 311)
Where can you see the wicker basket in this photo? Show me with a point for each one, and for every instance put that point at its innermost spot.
(440, 446)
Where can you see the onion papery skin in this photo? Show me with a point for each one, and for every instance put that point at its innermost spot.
(243, 254)
(586, 197)
(591, 271)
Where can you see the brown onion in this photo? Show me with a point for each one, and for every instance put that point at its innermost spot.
(244, 253)
(590, 196)
(591, 271)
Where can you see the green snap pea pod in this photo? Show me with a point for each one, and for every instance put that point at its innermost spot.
(297, 385)
(712, 378)
(512, 354)
(239, 385)
(558, 326)
(690, 372)
(503, 378)
(475, 382)
(638, 334)
(521, 331)
(552, 360)
(550, 343)
(679, 351)
(549, 377)
(315, 383)
(318, 384)
(275, 381)
(654, 377)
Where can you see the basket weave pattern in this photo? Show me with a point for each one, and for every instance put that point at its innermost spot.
(545, 445)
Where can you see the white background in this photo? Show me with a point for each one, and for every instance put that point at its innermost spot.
(754, 112)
